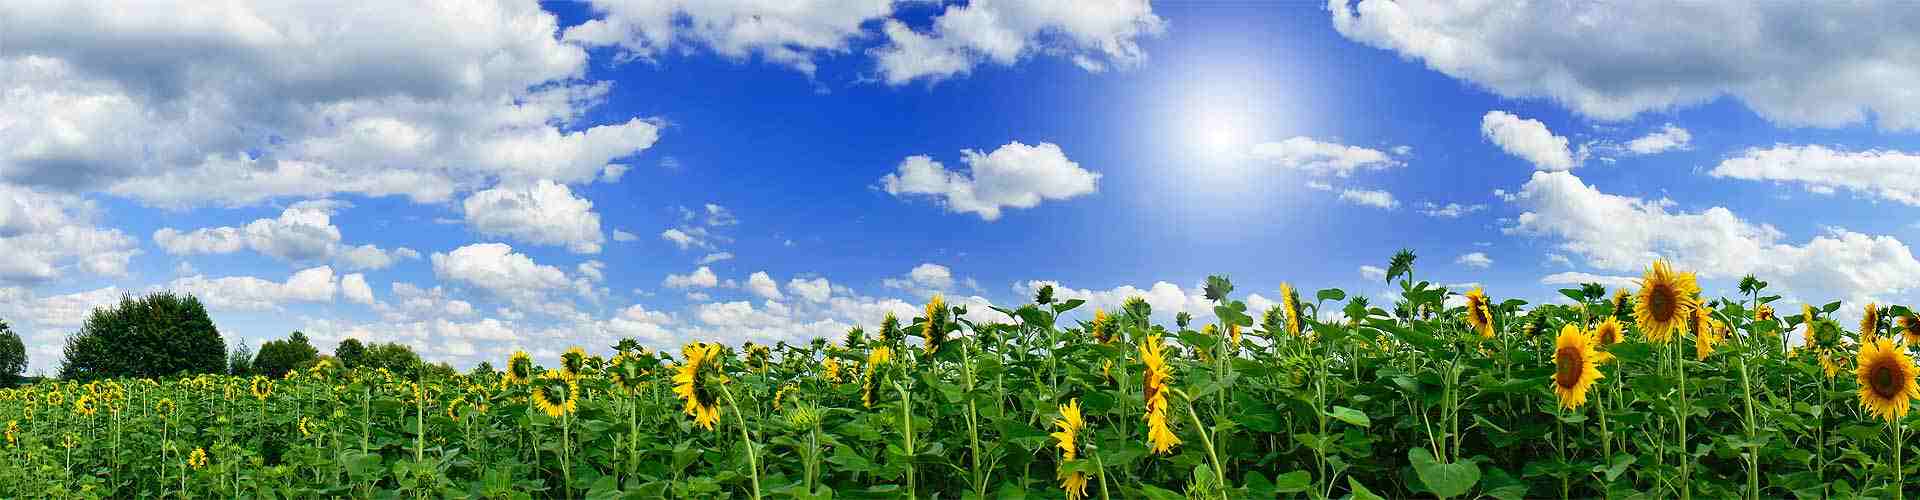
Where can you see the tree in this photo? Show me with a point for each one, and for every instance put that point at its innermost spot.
(159, 335)
(240, 363)
(13, 356)
(395, 357)
(278, 357)
(350, 352)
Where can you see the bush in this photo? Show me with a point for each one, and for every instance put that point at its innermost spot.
(158, 335)
(278, 357)
(13, 356)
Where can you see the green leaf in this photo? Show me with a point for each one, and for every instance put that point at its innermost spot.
(1443, 479)
(1361, 492)
(1350, 416)
(1333, 294)
(1292, 482)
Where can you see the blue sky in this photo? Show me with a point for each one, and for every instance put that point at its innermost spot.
(474, 179)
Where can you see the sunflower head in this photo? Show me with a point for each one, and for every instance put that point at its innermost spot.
(1156, 381)
(1102, 327)
(85, 406)
(555, 394)
(877, 362)
(1070, 423)
(627, 374)
(519, 368)
(1909, 328)
(305, 431)
(261, 387)
(1479, 313)
(13, 432)
(1575, 366)
(830, 369)
(573, 362)
(198, 459)
(1137, 309)
(164, 407)
(1707, 332)
(1763, 312)
(1870, 322)
(453, 407)
(1666, 296)
(780, 396)
(1290, 302)
(1886, 376)
(757, 357)
(935, 327)
(697, 381)
(1622, 303)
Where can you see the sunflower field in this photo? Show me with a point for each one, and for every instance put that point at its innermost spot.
(1649, 392)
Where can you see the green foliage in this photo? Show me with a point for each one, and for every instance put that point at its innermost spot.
(13, 356)
(158, 335)
(240, 361)
(350, 353)
(278, 357)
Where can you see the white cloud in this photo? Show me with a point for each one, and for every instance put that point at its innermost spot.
(180, 103)
(813, 290)
(354, 288)
(592, 269)
(1319, 186)
(1322, 158)
(1373, 273)
(762, 285)
(792, 33)
(495, 267)
(1014, 176)
(1579, 278)
(1474, 259)
(543, 213)
(714, 257)
(248, 293)
(1095, 35)
(702, 277)
(46, 235)
(1668, 138)
(926, 279)
(1450, 210)
(1554, 258)
(623, 236)
(1884, 174)
(302, 233)
(719, 216)
(1369, 197)
(1527, 139)
(1823, 65)
(1625, 234)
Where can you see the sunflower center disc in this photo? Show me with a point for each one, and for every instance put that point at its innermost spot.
(1660, 302)
(1567, 365)
(1882, 381)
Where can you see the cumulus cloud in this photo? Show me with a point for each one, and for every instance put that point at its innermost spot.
(1369, 197)
(623, 236)
(1373, 273)
(1095, 35)
(1014, 176)
(813, 290)
(1785, 61)
(354, 288)
(248, 293)
(1624, 234)
(702, 277)
(1668, 138)
(1579, 278)
(1475, 260)
(1527, 139)
(1322, 158)
(762, 285)
(1450, 210)
(1882, 174)
(180, 103)
(543, 213)
(495, 267)
(302, 233)
(925, 279)
(46, 235)
(792, 33)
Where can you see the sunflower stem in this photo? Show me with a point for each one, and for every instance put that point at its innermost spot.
(1219, 471)
(753, 462)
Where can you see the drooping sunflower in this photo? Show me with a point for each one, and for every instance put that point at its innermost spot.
(1886, 375)
(757, 357)
(890, 331)
(555, 394)
(876, 362)
(695, 381)
(1479, 313)
(1290, 302)
(261, 387)
(85, 406)
(519, 369)
(573, 362)
(1666, 296)
(453, 407)
(1233, 335)
(164, 407)
(935, 328)
(1870, 323)
(1102, 327)
(198, 459)
(627, 374)
(1156, 381)
(1070, 422)
(780, 396)
(1575, 366)
(304, 430)
(1621, 303)
(1910, 328)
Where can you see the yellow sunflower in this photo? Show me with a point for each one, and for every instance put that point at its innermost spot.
(573, 362)
(1157, 378)
(1763, 312)
(1102, 328)
(555, 394)
(1870, 323)
(1233, 335)
(876, 361)
(1886, 376)
(1290, 302)
(1070, 423)
(1910, 328)
(1619, 302)
(85, 406)
(694, 383)
(830, 369)
(13, 432)
(164, 407)
(780, 396)
(1806, 316)
(304, 430)
(198, 459)
(627, 374)
(453, 407)
(519, 369)
(1575, 367)
(1479, 313)
(261, 387)
(935, 328)
(1666, 296)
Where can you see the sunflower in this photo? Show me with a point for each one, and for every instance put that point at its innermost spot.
(1607, 333)
(1711, 332)
(694, 382)
(198, 459)
(1157, 377)
(830, 369)
(1620, 305)
(757, 357)
(1233, 335)
(890, 331)
(1070, 423)
(85, 406)
(555, 394)
(1479, 313)
(1806, 316)
(573, 362)
(56, 398)
(1870, 323)
(876, 360)
(935, 328)
(1886, 376)
(626, 374)
(164, 407)
(1910, 328)
(304, 430)
(1102, 327)
(69, 441)
(1575, 367)
(1290, 302)
(13, 432)
(453, 407)
(1665, 298)
(519, 369)
(261, 387)
(1763, 312)
(780, 396)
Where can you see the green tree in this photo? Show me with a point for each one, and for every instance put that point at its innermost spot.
(158, 335)
(278, 357)
(240, 363)
(13, 356)
(350, 352)
(395, 357)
